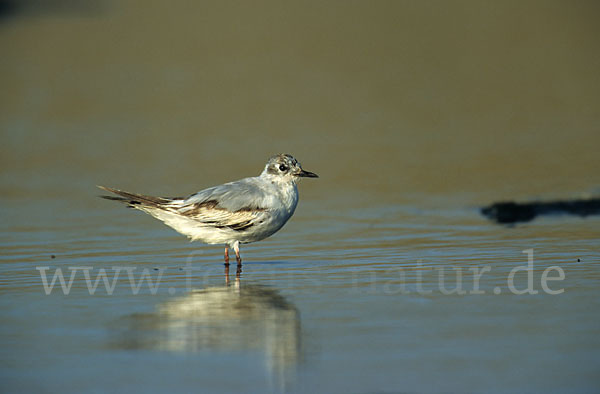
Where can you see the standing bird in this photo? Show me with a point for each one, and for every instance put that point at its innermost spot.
(243, 211)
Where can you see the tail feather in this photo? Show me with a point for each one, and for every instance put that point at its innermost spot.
(134, 200)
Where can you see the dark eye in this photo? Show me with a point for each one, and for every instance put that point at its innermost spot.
(282, 167)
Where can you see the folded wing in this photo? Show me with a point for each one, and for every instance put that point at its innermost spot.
(236, 205)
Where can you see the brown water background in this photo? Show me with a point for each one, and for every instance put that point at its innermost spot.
(414, 114)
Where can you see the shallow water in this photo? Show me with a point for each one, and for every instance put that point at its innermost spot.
(387, 278)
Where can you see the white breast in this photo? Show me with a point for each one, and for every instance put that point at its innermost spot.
(281, 207)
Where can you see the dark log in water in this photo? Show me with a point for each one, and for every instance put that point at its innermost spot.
(512, 212)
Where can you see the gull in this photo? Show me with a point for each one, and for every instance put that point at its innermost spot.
(239, 212)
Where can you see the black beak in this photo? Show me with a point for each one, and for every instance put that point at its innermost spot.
(307, 174)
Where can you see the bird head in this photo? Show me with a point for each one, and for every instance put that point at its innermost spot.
(287, 167)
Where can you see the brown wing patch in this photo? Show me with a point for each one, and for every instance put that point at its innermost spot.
(251, 209)
(210, 213)
(197, 209)
(241, 226)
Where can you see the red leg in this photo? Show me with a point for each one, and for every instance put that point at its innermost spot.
(226, 255)
(236, 248)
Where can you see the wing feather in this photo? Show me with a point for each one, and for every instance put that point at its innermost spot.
(236, 205)
(244, 194)
(210, 213)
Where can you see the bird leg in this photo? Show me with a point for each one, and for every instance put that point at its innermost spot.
(226, 255)
(236, 248)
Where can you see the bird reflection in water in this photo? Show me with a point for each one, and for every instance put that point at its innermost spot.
(234, 317)
(238, 274)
